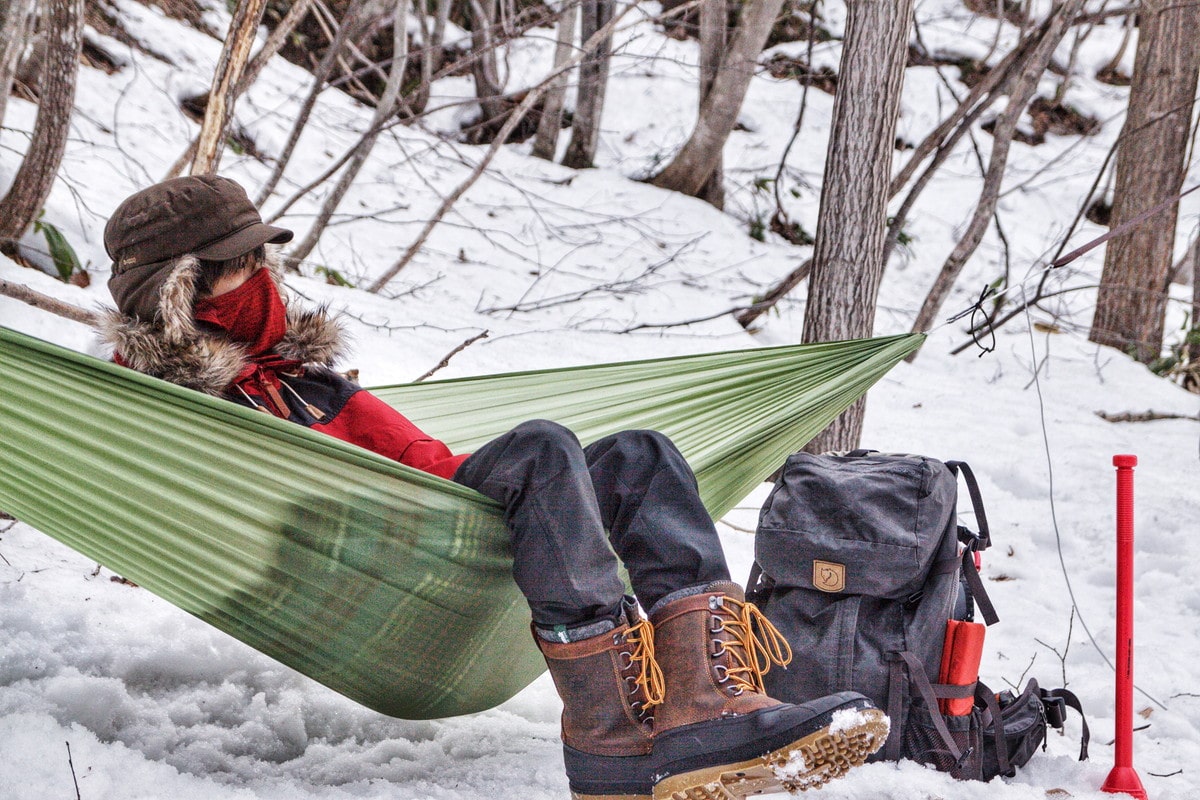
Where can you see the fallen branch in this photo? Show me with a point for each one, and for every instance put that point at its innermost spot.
(1145, 416)
(45, 302)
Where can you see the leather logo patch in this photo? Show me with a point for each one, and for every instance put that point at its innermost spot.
(828, 576)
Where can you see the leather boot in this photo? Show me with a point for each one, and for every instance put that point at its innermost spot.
(717, 734)
(608, 684)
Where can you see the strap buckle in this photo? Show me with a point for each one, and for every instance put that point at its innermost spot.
(1055, 709)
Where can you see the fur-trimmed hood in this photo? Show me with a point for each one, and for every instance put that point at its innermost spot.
(173, 347)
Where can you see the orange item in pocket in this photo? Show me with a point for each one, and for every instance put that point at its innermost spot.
(960, 663)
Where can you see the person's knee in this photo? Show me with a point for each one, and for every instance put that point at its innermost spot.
(544, 430)
(639, 440)
(544, 438)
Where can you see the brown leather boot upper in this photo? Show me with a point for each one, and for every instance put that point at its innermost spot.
(607, 684)
(713, 649)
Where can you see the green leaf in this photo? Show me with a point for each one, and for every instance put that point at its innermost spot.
(65, 260)
(334, 277)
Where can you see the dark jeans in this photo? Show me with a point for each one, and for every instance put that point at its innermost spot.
(560, 498)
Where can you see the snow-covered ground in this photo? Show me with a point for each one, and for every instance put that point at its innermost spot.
(106, 685)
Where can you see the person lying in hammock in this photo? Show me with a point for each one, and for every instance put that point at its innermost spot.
(666, 705)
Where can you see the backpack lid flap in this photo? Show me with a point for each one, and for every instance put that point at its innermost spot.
(869, 525)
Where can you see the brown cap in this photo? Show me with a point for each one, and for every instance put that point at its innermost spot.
(207, 216)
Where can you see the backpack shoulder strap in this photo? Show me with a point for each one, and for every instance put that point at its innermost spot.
(975, 542)
(985, 533)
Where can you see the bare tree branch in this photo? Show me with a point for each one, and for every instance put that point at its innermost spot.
(446, 361)
(221, 98)
(45, 302)
(387, 107)
(514, 119)
(1144, 416)
(320, 76)
(1022, 92)
(253, 69)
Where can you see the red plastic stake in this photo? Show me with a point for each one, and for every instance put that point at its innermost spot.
(1124, 778)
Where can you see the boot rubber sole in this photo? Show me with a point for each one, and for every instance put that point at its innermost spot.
(578, 796)
(807, 763)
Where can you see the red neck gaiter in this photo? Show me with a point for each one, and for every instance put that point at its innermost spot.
(252, 314)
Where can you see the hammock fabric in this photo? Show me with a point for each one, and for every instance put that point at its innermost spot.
(386, 584)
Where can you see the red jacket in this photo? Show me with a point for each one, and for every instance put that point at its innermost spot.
(327, 402)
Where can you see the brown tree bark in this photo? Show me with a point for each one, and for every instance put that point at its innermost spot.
(34, 179)
(1131, 304)
(15, 16)
(848, 254)
(1192, 260)
(223, 94)
(1022, 92)
(484, 67)
(689, 171)
(714, 22)
(253, 69)
(545, 145)
(593, 85)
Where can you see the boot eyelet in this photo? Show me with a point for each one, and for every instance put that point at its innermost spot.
(718, 653)
(715, 624)
(715, 602)
(618, 638)
(722, 672)
(631, 684)
(625, 660)
(737, 691)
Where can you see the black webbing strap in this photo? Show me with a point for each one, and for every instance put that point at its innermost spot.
(985, 532)
(759, 585)
(896, 694)
(1054, 701)
(978, 592)
(916, 674)
(988, 697)
(975, 542)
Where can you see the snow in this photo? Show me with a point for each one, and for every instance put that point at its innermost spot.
(104, 684)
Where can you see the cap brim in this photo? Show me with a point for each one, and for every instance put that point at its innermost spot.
(241, 242)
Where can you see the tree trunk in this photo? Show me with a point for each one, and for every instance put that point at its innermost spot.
(221, 97)
(1002, 136)
(253, 69)
(389, 104)
(593, 84)
(1195, 251)
(848, 254)
(484, 67)
(714, 22)
(546, 144)
(33, 181)
(14, 25)
(689, 171)
(1131, 304)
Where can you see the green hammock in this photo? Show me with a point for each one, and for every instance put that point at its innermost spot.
(386, 584)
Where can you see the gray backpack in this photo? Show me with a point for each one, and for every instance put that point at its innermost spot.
(859, 562)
